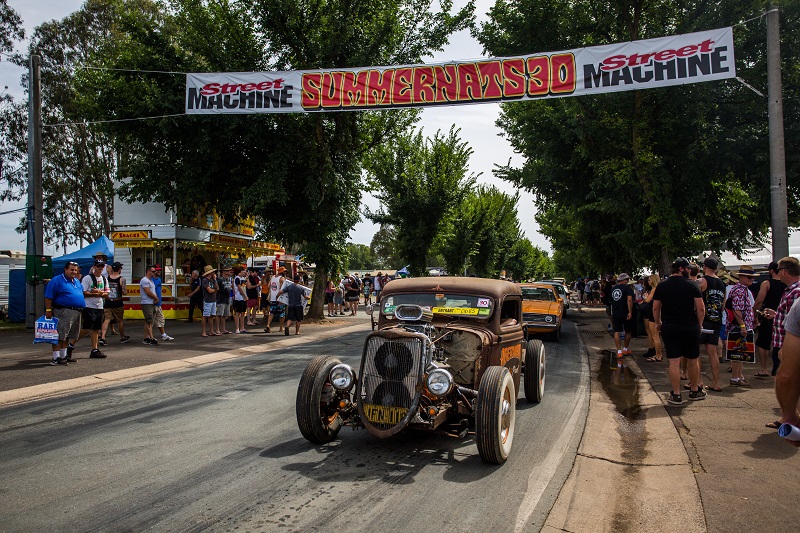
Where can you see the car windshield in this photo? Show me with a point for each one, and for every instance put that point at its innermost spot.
(460, 305)
(538, 293)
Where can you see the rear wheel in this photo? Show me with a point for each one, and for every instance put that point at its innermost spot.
(534, 371)
(316, 406)
(495, 415)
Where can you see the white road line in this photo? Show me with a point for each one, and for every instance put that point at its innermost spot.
(543, 472)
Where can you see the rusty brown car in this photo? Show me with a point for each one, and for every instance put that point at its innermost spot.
(445, 354)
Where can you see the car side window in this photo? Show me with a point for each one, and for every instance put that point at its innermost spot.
(509, 312)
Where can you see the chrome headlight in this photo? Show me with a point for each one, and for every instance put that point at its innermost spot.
(550, 319)
(342, 377)
(439, 382)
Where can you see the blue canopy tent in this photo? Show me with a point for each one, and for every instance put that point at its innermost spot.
(85, 256)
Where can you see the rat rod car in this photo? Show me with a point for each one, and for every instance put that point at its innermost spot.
(446, 354)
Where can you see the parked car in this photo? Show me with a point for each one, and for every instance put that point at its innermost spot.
(446, 354)
(563, 292)
(542, 309)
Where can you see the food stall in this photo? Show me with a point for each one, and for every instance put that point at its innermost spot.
(148, 233)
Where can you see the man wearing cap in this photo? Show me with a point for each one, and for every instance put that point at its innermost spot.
(713, 290)
(770, 292)
(739, 301)
(114, 307)
(276, 308)
(621, 299)
(149, 298)
(64, 300)
(678, 310)
(209, 289)
(95, 291)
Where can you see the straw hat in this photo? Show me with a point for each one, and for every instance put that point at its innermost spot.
(208, 269)
(746, 270)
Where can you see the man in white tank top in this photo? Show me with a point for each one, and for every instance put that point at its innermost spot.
(276, 308)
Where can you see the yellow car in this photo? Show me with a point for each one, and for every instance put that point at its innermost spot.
(542, 309)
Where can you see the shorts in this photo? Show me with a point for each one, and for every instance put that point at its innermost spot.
(252, 302)
(69, 323)
(711, 338)
(328, 297)
(277, 309)
(377, 294)
(114, 313)
(295, 313)
(158, 317)
(148, 312)
(595, 295)
(337, 299)
(764, 337)
(265, 301)
(681, 340)
(209, 308)
(92, 319)
(353, 296)
(621, 324)
(239, 306)
(223, 309)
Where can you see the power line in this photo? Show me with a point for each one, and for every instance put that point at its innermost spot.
(132, 70)
(109, 121)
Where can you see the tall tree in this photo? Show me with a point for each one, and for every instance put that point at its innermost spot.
(419, 182)
(299, 174)
(645, 175)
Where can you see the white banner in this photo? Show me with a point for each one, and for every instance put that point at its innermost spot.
(647, 64)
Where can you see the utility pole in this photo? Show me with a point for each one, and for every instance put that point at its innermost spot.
(777, 154)
(34, 294)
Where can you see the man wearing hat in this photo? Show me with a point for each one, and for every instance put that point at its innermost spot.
(741, 303)
(621, 297)
(158, 311)
(209, 287)
(114, 307)
(679, 310)
(95, 291)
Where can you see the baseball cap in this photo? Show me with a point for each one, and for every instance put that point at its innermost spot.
(99, 263)
(623, 277)
(680, 262)
(711, 263)
(116, 265)
(156, 267)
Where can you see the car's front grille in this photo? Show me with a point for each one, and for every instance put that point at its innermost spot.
(390, 371)
(534, 317)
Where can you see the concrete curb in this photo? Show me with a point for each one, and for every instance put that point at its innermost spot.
(117, 377)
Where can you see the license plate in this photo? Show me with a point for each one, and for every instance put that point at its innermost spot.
(382, 414)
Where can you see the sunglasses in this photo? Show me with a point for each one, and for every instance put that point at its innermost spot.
(72, 264)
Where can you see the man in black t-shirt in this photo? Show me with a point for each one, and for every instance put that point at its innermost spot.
(621, 301)
(679, 310)
(713, 290)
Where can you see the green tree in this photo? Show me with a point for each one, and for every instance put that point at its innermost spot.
(383, 247)
(359, 257)
(11, 29)
(478, 237)
(419, 182)
(299, 174)
(643, 175)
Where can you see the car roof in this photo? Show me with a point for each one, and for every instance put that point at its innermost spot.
(494, 288)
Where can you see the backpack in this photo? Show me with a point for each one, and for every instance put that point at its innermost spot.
(595, 285)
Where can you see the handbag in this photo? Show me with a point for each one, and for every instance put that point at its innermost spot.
(646, 309)
(46, 330)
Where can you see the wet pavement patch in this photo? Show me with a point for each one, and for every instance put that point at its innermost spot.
(621, 384)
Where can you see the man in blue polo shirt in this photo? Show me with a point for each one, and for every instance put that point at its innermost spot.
(63, 299)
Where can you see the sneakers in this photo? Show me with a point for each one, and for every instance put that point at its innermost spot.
(620, 354)
(267, 330)
(675, 399)
(153, 342)
(59, 361)
(125, 339)
(69, 359)
(698, 394)
(627, 351)
(146, 341)
(97, 354)
(740, 382)
(102, 342)
(165, 337)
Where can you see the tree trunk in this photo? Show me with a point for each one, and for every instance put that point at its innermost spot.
(318, 293)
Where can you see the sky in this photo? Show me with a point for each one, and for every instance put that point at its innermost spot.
(476, 122)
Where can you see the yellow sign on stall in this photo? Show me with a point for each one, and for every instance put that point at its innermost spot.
(130, 235)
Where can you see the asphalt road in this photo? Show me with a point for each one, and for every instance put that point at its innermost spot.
(217, 448)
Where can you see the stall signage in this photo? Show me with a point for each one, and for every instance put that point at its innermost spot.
(266, 246)
(233, 241)
(130, 235)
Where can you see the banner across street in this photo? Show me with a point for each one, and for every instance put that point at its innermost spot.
(646, 64)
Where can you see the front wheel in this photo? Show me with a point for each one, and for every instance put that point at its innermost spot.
(534, 371)
(316, 406)
(495, 414)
